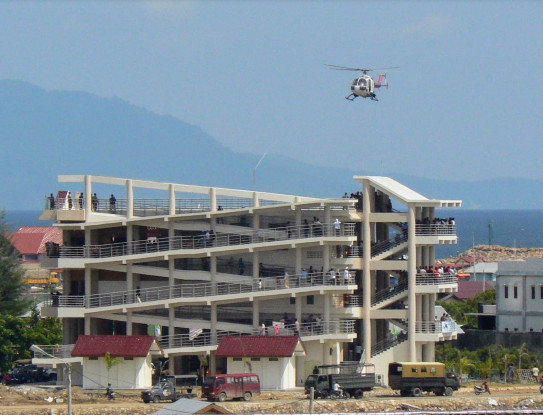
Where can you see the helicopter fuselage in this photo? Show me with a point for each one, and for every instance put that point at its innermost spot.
(363, 86)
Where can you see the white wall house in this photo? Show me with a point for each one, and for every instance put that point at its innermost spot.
(272, 358)
(132, 357)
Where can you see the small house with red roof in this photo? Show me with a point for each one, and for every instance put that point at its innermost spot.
(273, 358)
(31, 244)
(131, 355)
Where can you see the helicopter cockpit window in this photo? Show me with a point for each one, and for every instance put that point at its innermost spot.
(362, 82)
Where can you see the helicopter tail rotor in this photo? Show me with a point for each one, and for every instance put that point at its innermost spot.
(382, 81)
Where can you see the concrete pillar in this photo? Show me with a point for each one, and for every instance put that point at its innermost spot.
(87, 325)
(88, 281)
(326, 258)
(129, 327)
(426, 308)
(298, 266)
(256, 314)
(213, 199)
(419, 307)
(326, 309)
(425, 261)
(256, 265)
(129, 199)
(432, 306)
(129, 236)
(129, 277)
(412, 282)
(299, 302)
(213, 323)
(327, 219)
(430, 352)
(171, 321)
(171, 204)
(213, 269)
(366, 272)
(88, 194)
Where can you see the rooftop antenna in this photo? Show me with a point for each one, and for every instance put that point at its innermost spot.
(256, 167)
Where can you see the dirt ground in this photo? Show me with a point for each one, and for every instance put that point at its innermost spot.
(32, 400)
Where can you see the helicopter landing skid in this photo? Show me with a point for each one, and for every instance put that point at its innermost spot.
(351, 97)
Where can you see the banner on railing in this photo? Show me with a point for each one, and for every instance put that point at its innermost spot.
(193, 333)
(447, 326)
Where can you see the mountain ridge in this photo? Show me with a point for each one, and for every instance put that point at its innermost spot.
(51, 132)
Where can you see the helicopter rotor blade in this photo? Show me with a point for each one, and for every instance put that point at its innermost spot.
(382, 69)
(347, 68)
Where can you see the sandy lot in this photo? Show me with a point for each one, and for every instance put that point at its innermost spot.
(31, 400)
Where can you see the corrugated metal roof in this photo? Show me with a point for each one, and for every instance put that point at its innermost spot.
(117, 346)
(259, 346)
(190, 406)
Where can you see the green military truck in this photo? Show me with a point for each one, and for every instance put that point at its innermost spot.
(171, 388)
(411, 378)
(353, 378)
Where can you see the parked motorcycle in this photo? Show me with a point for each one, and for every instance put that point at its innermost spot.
(482, 389)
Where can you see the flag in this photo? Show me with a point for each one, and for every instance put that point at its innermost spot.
(193, 333)
(158, 330)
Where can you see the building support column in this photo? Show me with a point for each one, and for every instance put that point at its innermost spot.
(88, 195)
(412, 282)
(298, 266)
(256, 314)
(129, 199)
(129, 328)
(298, 308)
(171, 323)
(171, 204)
(366, 272)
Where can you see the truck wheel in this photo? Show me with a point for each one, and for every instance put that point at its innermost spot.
(247, 396)
(416, 392)
(359, 394)
(156, 399)
(146, 401)
(222, 397)
(448, 391)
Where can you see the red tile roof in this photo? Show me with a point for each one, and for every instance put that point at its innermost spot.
(117, 346)
(32, 239)
(257, 346)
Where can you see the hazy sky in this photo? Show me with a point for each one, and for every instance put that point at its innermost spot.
(464, 104)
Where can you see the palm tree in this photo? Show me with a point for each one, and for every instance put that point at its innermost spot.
(465, 365)
(110, 362)
(522, 352)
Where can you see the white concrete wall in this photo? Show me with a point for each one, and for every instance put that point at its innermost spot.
(274, 374)
(128, 374)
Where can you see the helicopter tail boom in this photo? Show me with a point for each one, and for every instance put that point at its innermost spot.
(382, 81)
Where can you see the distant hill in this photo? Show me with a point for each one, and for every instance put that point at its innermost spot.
(46, 133)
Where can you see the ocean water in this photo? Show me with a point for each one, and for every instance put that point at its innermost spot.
(514, 228)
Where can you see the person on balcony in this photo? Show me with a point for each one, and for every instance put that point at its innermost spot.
(112, 204)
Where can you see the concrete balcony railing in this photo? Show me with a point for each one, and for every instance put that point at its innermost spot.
(152, 207)
(448, 326)
(219, 240)
(394, 290)
(199, 290)
(206, 339)
(63, 351)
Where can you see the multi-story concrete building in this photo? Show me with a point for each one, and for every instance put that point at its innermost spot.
(202, 262)
(519, 295)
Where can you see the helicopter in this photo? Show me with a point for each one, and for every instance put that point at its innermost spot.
(364, 86)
